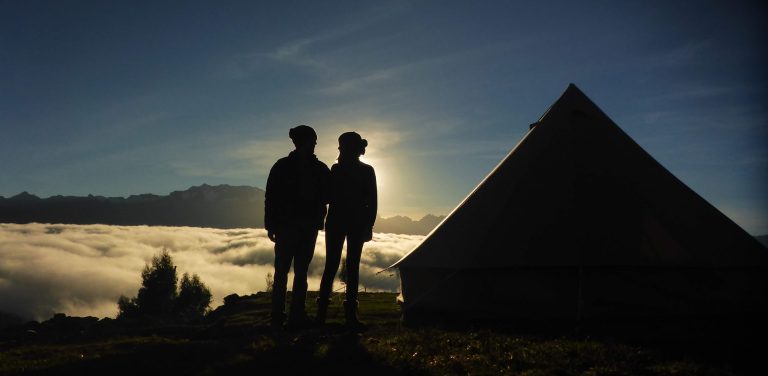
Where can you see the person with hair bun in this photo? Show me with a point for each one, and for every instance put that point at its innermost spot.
(294, 211)
(351, 215)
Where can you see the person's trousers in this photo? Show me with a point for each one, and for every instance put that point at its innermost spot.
(334, 242)
(297, 246)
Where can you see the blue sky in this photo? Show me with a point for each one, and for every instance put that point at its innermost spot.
(119, 98)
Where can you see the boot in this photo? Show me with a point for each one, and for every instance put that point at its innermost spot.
(322, 310)
(350, 316)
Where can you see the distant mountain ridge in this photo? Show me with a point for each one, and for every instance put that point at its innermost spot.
(220, 206)
(405, 225)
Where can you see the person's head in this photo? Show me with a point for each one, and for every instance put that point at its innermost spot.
(351, 145)
(304, 138)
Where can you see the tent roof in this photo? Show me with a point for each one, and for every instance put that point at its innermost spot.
(577, 190)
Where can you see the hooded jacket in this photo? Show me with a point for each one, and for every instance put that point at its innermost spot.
(297, 193)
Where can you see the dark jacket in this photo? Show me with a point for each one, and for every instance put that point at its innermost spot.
(353, 197)
(297, 192)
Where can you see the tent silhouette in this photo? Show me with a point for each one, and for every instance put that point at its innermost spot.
(579, 222)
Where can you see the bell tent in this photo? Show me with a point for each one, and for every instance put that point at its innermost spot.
(579, 222)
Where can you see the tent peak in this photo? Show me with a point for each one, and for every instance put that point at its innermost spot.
(573, 89)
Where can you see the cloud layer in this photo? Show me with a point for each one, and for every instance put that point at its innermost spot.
(82, 269)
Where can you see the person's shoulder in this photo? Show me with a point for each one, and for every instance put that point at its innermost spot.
(283, 165)
(366, 166)
(321, 165)
(281, 162)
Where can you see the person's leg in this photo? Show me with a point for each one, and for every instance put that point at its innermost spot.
(283, 257)
(305, 249)
(334, 242)
(354, 251)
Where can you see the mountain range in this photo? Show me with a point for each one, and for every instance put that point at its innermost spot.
(220, 206)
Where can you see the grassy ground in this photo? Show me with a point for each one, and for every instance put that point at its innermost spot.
(235, 338)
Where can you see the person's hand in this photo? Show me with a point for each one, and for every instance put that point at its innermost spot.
(272, 236)
(368, 235)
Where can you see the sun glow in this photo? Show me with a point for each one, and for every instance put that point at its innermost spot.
(381, 171)
(381, 154)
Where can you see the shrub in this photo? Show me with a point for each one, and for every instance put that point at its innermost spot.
(157, 297)
(270, 281)
(194, 298)
(127, 307)
(158, 287)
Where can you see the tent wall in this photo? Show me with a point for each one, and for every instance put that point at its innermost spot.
(660, 292)
(572, 293)
(488, 294)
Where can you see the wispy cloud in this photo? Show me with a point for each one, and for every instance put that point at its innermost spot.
(231, 158)
(684, 54)
(695, 92)
(83, 269)
(313, 52)
(362, 82)
(297, 52)
(260, 153)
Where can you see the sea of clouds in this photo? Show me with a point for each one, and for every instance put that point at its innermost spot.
(82, 270)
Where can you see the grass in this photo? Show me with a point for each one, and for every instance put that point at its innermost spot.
(236, 339)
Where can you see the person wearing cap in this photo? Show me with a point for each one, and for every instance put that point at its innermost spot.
(294, 210)
(351, 215)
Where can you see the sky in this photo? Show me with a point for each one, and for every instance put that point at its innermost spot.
(126, 97)
(82, 270)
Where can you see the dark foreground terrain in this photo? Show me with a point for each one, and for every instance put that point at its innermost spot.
(235, 339)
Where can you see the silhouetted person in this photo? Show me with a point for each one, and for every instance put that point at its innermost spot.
(294, 210)
(351, 214)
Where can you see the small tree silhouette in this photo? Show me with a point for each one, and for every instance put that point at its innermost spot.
(270, 280)
(127, 307)
(157, 296)
(158, 287)
(194, 298)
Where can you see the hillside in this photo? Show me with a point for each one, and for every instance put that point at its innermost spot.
(234, 339)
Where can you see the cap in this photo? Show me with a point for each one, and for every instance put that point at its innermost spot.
(302, 132)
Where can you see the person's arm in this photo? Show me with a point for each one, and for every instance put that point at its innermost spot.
(325, 182)
(372, 201)
(270, 198)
